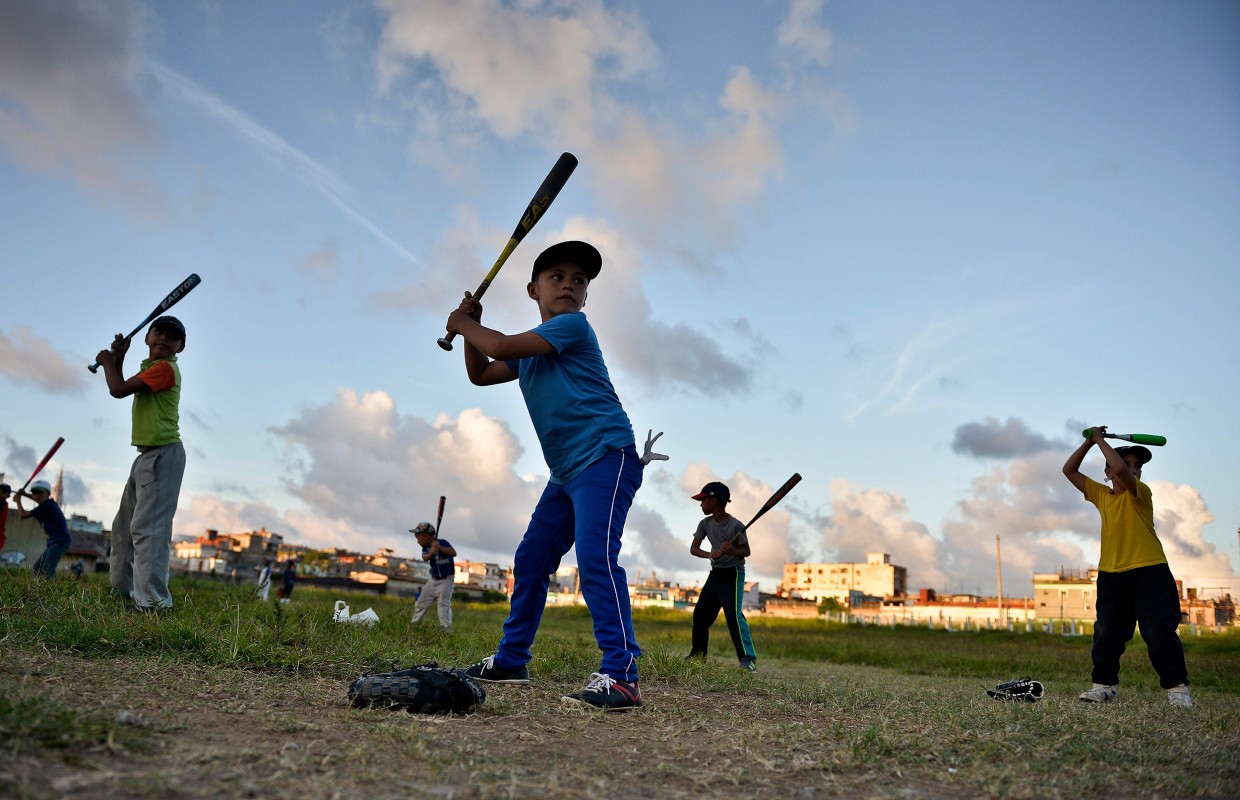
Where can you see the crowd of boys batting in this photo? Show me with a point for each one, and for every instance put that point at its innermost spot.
(588, 442)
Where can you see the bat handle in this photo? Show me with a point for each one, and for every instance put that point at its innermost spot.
(446, 341)
(94, 367)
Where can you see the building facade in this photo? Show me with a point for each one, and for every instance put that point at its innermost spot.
(877, 577)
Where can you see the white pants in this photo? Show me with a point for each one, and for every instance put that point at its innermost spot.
(436, 589)
(142, 529)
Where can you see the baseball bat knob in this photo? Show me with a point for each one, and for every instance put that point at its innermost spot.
(446, 342)
(93, 368)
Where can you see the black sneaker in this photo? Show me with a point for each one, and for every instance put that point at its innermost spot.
(695, 657)
(607, 693)
(486, 671)
(749, 663)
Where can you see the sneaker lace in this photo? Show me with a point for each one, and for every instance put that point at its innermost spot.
(600, 682)
(488, 662)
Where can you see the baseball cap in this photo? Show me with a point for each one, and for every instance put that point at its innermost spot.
(4, 487)
(582, 254)
(41, 485)
(423, 527)
(713, 489)
(169, 322)
(1143, 454)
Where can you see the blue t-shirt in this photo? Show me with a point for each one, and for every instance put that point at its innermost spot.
(571, 401)
(442, 566)
(52, 519)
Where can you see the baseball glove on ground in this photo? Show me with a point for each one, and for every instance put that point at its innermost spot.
(424, 689)
(1021, 690)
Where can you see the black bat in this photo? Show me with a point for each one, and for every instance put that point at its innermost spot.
(551, 187)
(168, 302)
(780, 494)
(439, 516)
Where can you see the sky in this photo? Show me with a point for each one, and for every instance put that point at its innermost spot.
(907, 250)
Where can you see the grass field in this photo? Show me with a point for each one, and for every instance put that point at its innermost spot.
(230, 697)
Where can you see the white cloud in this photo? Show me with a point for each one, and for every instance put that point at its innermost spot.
(1180, 514)
(803, 34)
(29, 359)
(867, 521)
(369, 473)
(554, 72)
(71, 71)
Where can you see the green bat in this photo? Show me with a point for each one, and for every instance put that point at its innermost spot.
(1136, 438)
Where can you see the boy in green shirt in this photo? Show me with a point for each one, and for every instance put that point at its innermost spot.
(142, 529)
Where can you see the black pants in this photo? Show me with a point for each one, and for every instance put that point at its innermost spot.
(723, 590)
(1146, 596)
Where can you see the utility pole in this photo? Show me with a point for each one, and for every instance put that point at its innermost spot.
(999, 572)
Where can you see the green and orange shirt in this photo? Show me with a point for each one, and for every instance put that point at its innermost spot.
(156, 414)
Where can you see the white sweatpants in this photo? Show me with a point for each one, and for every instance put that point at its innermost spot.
(436, 590)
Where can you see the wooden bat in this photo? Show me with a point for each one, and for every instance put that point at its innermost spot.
(780, 494)
(546, 193)
(168, 302)
(439, 516)
(1136, 438)
(43, 463)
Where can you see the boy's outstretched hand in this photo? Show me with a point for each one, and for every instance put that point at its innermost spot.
(649, 454)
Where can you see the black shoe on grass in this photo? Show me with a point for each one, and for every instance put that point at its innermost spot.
(486, 671)
(607, 693)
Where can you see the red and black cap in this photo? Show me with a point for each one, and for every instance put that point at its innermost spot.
(714, 489)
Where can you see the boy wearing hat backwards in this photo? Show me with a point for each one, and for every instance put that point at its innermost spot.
(588, 444)
(441, 555)
(52, 520)
(725, 586)
(142, 529)
(1135, 585)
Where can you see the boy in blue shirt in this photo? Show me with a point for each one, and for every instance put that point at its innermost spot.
(441, 556)
(588, 444)
(49, 516)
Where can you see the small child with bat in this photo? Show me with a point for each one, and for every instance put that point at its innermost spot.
(1135, 585)
(589, 446)
(725, 585)
(142, 529)
(49, 516)
(441, 556)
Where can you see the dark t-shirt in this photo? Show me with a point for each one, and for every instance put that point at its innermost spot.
(52, 519)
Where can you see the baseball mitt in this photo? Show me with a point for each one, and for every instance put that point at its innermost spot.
(1021, 690)
(424, 689)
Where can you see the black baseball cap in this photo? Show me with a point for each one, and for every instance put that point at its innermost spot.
(582, 254)
(1143, 454)
(713, 489)
(169, 322)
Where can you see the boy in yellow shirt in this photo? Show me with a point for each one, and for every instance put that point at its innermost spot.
(1135, 585)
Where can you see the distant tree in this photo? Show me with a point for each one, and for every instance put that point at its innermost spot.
(828, 605)
(314, 562)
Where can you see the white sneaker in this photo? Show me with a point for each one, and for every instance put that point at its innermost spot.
(1101, 693)
(1179, 696)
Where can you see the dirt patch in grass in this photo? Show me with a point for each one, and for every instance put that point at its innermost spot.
(206, 732)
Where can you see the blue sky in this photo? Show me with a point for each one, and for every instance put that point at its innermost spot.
(908, 250)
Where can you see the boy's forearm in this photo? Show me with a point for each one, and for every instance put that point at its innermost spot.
(1074, 462)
